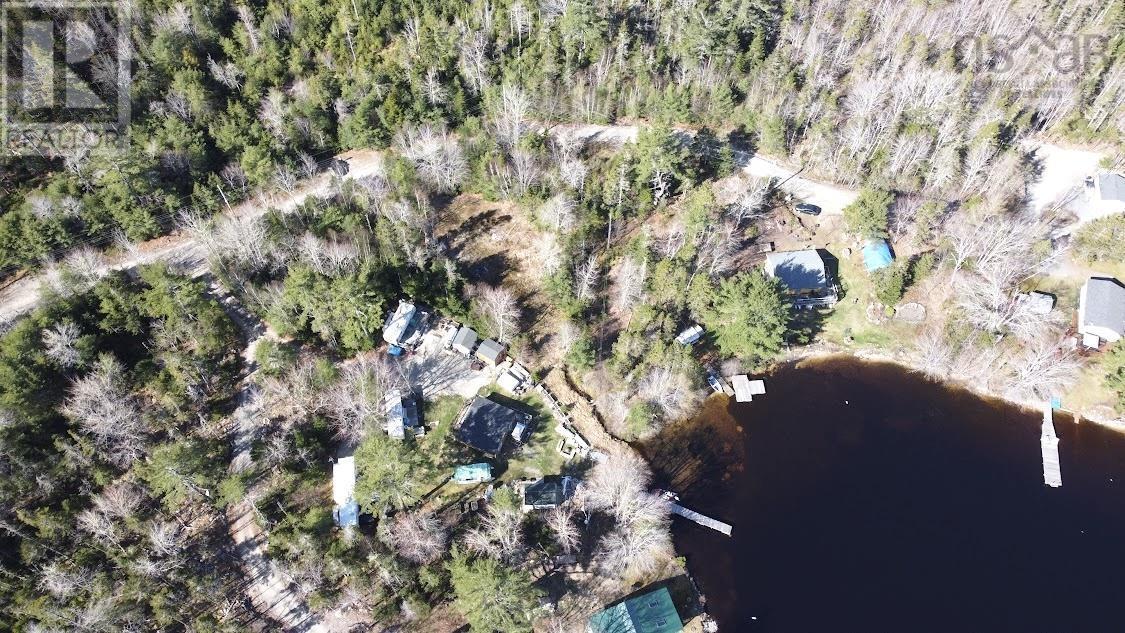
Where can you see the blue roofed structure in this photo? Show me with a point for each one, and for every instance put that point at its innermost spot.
(877, 255)
(652, 612)
(347, 514)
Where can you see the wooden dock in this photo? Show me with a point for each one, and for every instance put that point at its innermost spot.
(705, 521)
(1052, 471)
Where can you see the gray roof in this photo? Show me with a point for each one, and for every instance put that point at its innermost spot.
(549, 491)
(798, 270)
(1105, 304)
(490, 351)
(466, 338)
(1111, 187)
(486, 424)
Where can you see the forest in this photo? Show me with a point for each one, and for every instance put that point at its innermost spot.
(478, 121)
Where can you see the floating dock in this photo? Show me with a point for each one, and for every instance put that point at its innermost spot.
(705, 521)
(745, 389)
(1052, 472)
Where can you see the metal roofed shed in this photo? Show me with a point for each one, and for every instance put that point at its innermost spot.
(490, 352)
(877, 255)
(397, 326)
(1101, 309)
(548, 492)
(465, 341)
(652, 612)
(402, 415)
(690, 335)
(486, 424)
(472, 473)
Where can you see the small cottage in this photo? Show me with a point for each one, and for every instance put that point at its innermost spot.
(1101, 311)
(805, 276)
(548, 492)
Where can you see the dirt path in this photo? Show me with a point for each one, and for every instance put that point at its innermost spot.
(180, 249)
(269, 589)
(830, 198)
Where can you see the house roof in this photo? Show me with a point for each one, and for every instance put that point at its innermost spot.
(490, 351)
(877, 254)
(1111, 187)
(402, 413)
(394, 330)
(485, 424)
(1105, 304)
(465, 339)
(652, 612)
(549, 491)
(798, 270)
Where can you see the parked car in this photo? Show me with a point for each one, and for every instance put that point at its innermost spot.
(807, 209)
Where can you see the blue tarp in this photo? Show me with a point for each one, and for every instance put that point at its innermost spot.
(347, 514)
(394, 350)
(876, 255)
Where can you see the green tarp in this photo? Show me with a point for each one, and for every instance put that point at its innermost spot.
(652, 612)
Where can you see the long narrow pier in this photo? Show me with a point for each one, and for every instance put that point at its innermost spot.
(1052, 472)
(705, 521)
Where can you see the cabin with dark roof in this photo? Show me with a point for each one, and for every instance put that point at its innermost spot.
(548, 492)
(1101, 311)
(486, 425)
(805, 276)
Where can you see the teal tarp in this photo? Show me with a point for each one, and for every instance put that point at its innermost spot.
(472, 473)
(876, 255)
(652, 612)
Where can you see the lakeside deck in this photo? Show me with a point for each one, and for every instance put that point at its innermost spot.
(1049, 442)
(703, 520)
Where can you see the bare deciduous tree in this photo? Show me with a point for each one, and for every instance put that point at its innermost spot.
(61, 344)
(558, 212)
(636, 551)
(670, 391)
(356, 401)
(561, 522)
(498, 306)
(585, 278)
(436, 156)
(511, 115)
(102, 406)
(500, 533)
(630, 284)
(417, 536)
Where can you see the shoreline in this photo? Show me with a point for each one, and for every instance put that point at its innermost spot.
(823, 350)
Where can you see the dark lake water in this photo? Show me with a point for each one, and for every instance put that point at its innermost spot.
(912, 507)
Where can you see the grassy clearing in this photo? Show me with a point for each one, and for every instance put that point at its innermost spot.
(849, 317)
